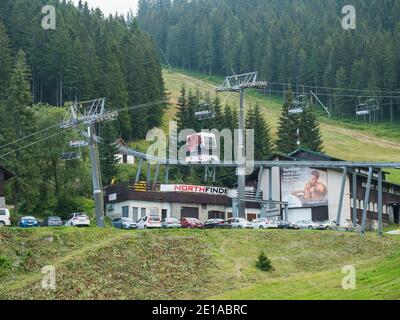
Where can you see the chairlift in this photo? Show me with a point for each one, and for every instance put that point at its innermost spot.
(204, 111)
(69, 156)
(364, 109)
(199, 148)
(298, 104)
(73, 155)
(372, 104)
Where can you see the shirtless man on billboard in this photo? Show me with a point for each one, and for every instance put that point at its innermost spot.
(313, 190)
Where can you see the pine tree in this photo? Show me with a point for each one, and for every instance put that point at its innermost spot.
(287, 128)
(182, 113)
(341, 102)
(228, 116)
(310, 134)
(262, 135)
(22, 163)
(5, 61)
(107, 153)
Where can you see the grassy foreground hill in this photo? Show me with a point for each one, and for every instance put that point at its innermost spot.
(191, 264)
(348, 140)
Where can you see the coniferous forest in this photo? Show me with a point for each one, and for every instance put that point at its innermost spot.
(87, 56)
(300, 42)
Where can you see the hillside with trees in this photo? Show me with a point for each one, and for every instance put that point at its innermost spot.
(87, 56)
(298, 42)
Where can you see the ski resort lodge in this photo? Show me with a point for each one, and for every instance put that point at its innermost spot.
(283, 193)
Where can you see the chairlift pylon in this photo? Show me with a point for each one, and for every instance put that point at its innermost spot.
(204, 111)
(299, 103)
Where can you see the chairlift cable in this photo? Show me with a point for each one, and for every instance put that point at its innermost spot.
(140, 106)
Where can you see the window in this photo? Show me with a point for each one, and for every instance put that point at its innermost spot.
(216, 215)
(135, 213)
(2, 212)
(125, 212)
(143, 212)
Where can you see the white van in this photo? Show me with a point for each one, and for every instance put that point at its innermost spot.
(4, 218)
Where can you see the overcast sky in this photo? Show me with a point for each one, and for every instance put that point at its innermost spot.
(112, 6)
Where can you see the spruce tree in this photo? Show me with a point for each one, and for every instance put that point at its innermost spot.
(287, 128)
(182, 113)
(107, 153)
(228, 116)
(262, 135)
(5, 61)
(310, 134)
(22, 163)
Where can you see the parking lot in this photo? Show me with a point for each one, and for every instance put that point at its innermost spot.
(154, 222)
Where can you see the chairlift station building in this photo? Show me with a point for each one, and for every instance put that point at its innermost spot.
(291, 194)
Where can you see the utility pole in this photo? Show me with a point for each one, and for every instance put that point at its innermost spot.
(90, 114)
(238, 84)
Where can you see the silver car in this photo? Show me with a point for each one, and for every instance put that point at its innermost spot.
(240, 223)
(124, 223)
(170, 223)
(305, 224)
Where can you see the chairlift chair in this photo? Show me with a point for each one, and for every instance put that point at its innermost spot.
(204, 111)
(69, 156)
(199, 147)
(73, 155)
(364, 109)
(298, 104)
(372, 104)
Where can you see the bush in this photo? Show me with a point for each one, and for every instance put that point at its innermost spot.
(264, 263)
(4, 263)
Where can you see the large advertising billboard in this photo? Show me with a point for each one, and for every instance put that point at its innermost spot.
(304, 187)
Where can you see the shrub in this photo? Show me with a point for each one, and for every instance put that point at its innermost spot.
(4, 263)
(264, 263)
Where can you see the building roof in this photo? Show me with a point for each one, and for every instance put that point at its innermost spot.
(305, 154)
(199, 198)
(120, 142)
(7, 174)
(180, 197)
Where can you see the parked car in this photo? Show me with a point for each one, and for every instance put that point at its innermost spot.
(240, 223)
(305, 224)
(78, 220)
(28, 222)
(149, 222)
(264, 223)
(170, 223)
(124, 223)
(52, 222)
(191, 223)
(328, 224)
(282, 224)
(4, 218)
(217, 223)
